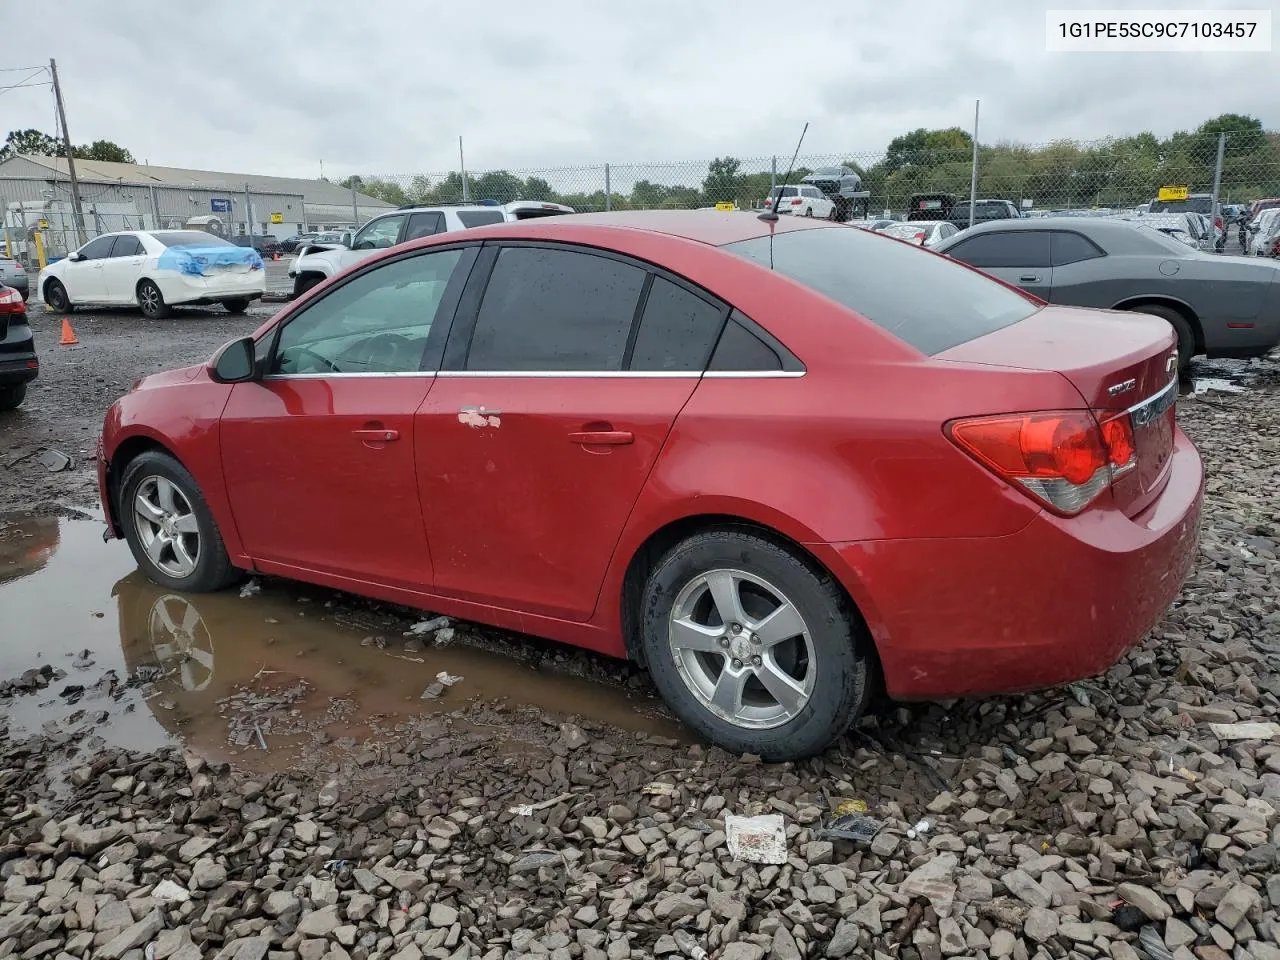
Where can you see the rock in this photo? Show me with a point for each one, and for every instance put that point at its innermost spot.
(195, 848)
(132, 937)
(319, 923)
(208, 874)
(1002, 943)
(1041, 924)
(1177, 934)
(280, 902)
(1240, 901)
(1152, 905)
(442, 915)
(572, 736)
(86, 841)
(727, 905)
(843, 941)
(677, 907)
(1020, 884)
(740, 950)
(784, 945)
(167, 891)
(950, 937)
(932, 880)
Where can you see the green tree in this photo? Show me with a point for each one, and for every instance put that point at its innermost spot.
(30, 141)
(535, 188)
(723, 180)
(104, 150)
(498, 185)
(1244, 136)
(928, 148)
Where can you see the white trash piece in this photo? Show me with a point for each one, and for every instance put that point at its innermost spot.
(448, 679)
(761, 839)
(166, 891)
(1245, 731)
(250, 588)
(427, 626)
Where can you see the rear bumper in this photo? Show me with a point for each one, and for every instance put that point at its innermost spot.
(1060, 600)
(18, 368)
(183, 289)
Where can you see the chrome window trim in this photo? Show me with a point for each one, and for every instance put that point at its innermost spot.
(568, 374)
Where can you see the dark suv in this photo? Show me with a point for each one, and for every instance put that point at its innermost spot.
(266, 245)
(984, 211)
(18, 363)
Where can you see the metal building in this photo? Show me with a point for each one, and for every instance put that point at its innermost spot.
(36, 191)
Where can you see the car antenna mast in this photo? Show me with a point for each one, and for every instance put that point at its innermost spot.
(772, 213)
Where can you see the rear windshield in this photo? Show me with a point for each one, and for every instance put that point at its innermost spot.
(783, 192)
(927, 301)
(190, 238)
(478, 218)
(981, 209)
(1191, 204)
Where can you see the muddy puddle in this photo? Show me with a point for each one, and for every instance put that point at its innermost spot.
(264, 676)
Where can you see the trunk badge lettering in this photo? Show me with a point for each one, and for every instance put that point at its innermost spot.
(1123, 387)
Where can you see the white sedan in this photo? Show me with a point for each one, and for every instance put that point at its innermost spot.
(155, 270)
(925, 233)
(802, 200)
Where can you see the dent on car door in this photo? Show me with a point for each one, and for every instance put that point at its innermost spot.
(544, 425)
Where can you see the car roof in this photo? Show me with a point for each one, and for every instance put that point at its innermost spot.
(713, 227)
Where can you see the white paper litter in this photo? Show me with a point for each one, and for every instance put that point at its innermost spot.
(250, 588)
(427, 626)
(448, 679)
(1204, 385)
(1245, 731)
(761, 839)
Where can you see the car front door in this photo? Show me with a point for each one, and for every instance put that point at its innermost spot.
(1018, 257)
(373, 236)
(319, 455)
(83, 278)
(546, 419)
(123, 268)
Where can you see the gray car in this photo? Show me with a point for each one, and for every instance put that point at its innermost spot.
(1220, 306)
(13, 274)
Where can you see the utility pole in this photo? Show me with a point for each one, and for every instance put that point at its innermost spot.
(71, 161)
(462, 164)
(248, 215)
(973, 174)
(1216, 212)
(355, 207)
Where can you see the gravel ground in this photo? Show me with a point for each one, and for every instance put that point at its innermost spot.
(1128, 816)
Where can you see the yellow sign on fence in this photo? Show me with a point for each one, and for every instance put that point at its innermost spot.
(277, 218)
(726, 206)
(1172, 193)
(44, 224)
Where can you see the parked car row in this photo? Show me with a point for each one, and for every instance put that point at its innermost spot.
(19, 364)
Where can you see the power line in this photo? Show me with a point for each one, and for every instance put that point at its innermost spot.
(25, 81)
(20, 69)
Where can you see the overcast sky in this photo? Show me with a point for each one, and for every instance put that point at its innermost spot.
(386, 86)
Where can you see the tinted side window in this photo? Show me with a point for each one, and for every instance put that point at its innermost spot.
(741, 350)
(1015, 248)
(127, 247)
(424, 225)
(677, 330)
(97, 248)
(1071, 248)
(376, 323)
(479, 218)
(555, 310)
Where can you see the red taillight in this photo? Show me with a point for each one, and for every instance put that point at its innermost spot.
(1065, 459)
(796, 202)
(1217, 222)
(920, 237)
(11, 301)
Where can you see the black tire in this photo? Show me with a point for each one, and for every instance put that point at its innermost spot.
(55, 297)
(1181, 327)
(212, 567)
(151, 301)
(304, 283)
(11, 397)
(808, 212)
(238, 305)
(839, 667)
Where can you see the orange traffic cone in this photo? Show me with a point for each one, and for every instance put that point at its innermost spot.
(68, 335)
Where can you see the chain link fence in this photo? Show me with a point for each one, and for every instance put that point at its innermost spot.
(1111, 176)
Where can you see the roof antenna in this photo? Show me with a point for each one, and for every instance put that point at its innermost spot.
(772, 213)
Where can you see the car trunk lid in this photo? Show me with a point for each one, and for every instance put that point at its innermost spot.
(1124, 366)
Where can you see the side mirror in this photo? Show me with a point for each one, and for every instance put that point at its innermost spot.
(75, 256)
(236, 362)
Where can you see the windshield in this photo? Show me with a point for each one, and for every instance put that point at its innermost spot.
(784, 192)
(929, 302)
(828, 172)
(1190, 205)
(190, 238)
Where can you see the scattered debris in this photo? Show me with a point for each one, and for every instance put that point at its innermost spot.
(761, 839)
(250, 588)
(852, 826)
(54, 460)
(427, 626)
(447, 678)
(1245, 731)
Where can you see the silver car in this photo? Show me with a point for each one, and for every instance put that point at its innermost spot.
(13, 274)
(1220, 306)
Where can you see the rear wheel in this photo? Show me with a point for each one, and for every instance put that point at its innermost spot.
(237, 305)
(151, 301)
(55, 295)
(1181, 327)
(12, 397)
(305, 282)
(169, 527)
(808, 211)
(752, 647)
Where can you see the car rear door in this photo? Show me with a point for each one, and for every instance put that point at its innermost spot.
(123, 268)
(551, 409)
(1019, 257)
(319, 456)
(84, 278)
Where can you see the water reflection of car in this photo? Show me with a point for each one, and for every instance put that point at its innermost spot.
(164, 631)
(27, 544)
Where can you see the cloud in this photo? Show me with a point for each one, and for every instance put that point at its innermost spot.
(386, 87)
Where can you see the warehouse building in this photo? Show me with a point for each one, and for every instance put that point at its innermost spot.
(35, 192)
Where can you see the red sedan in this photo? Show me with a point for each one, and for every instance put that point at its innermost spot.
(777, 463)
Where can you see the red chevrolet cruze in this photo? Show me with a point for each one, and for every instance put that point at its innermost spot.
(777, 463)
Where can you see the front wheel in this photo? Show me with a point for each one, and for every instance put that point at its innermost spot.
(808, 211)
(11, 397)
(1181, 328)
(55, 296)
(237, 305)
(753, 647)
(151, 301)
(169, 527)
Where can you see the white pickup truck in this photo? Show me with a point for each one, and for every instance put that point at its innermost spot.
(317, 262)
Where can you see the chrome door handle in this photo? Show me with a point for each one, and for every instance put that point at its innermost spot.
(378, 435)
(612, 438)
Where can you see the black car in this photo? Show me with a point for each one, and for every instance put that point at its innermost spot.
(290, 244)
(268, 246)
(18, 362)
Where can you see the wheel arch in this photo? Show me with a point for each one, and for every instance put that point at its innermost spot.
(125, 452)
(653, 547)
(1181, 307)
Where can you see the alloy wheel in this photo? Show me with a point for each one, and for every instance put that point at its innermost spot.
(167, 526)
(742, 648)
